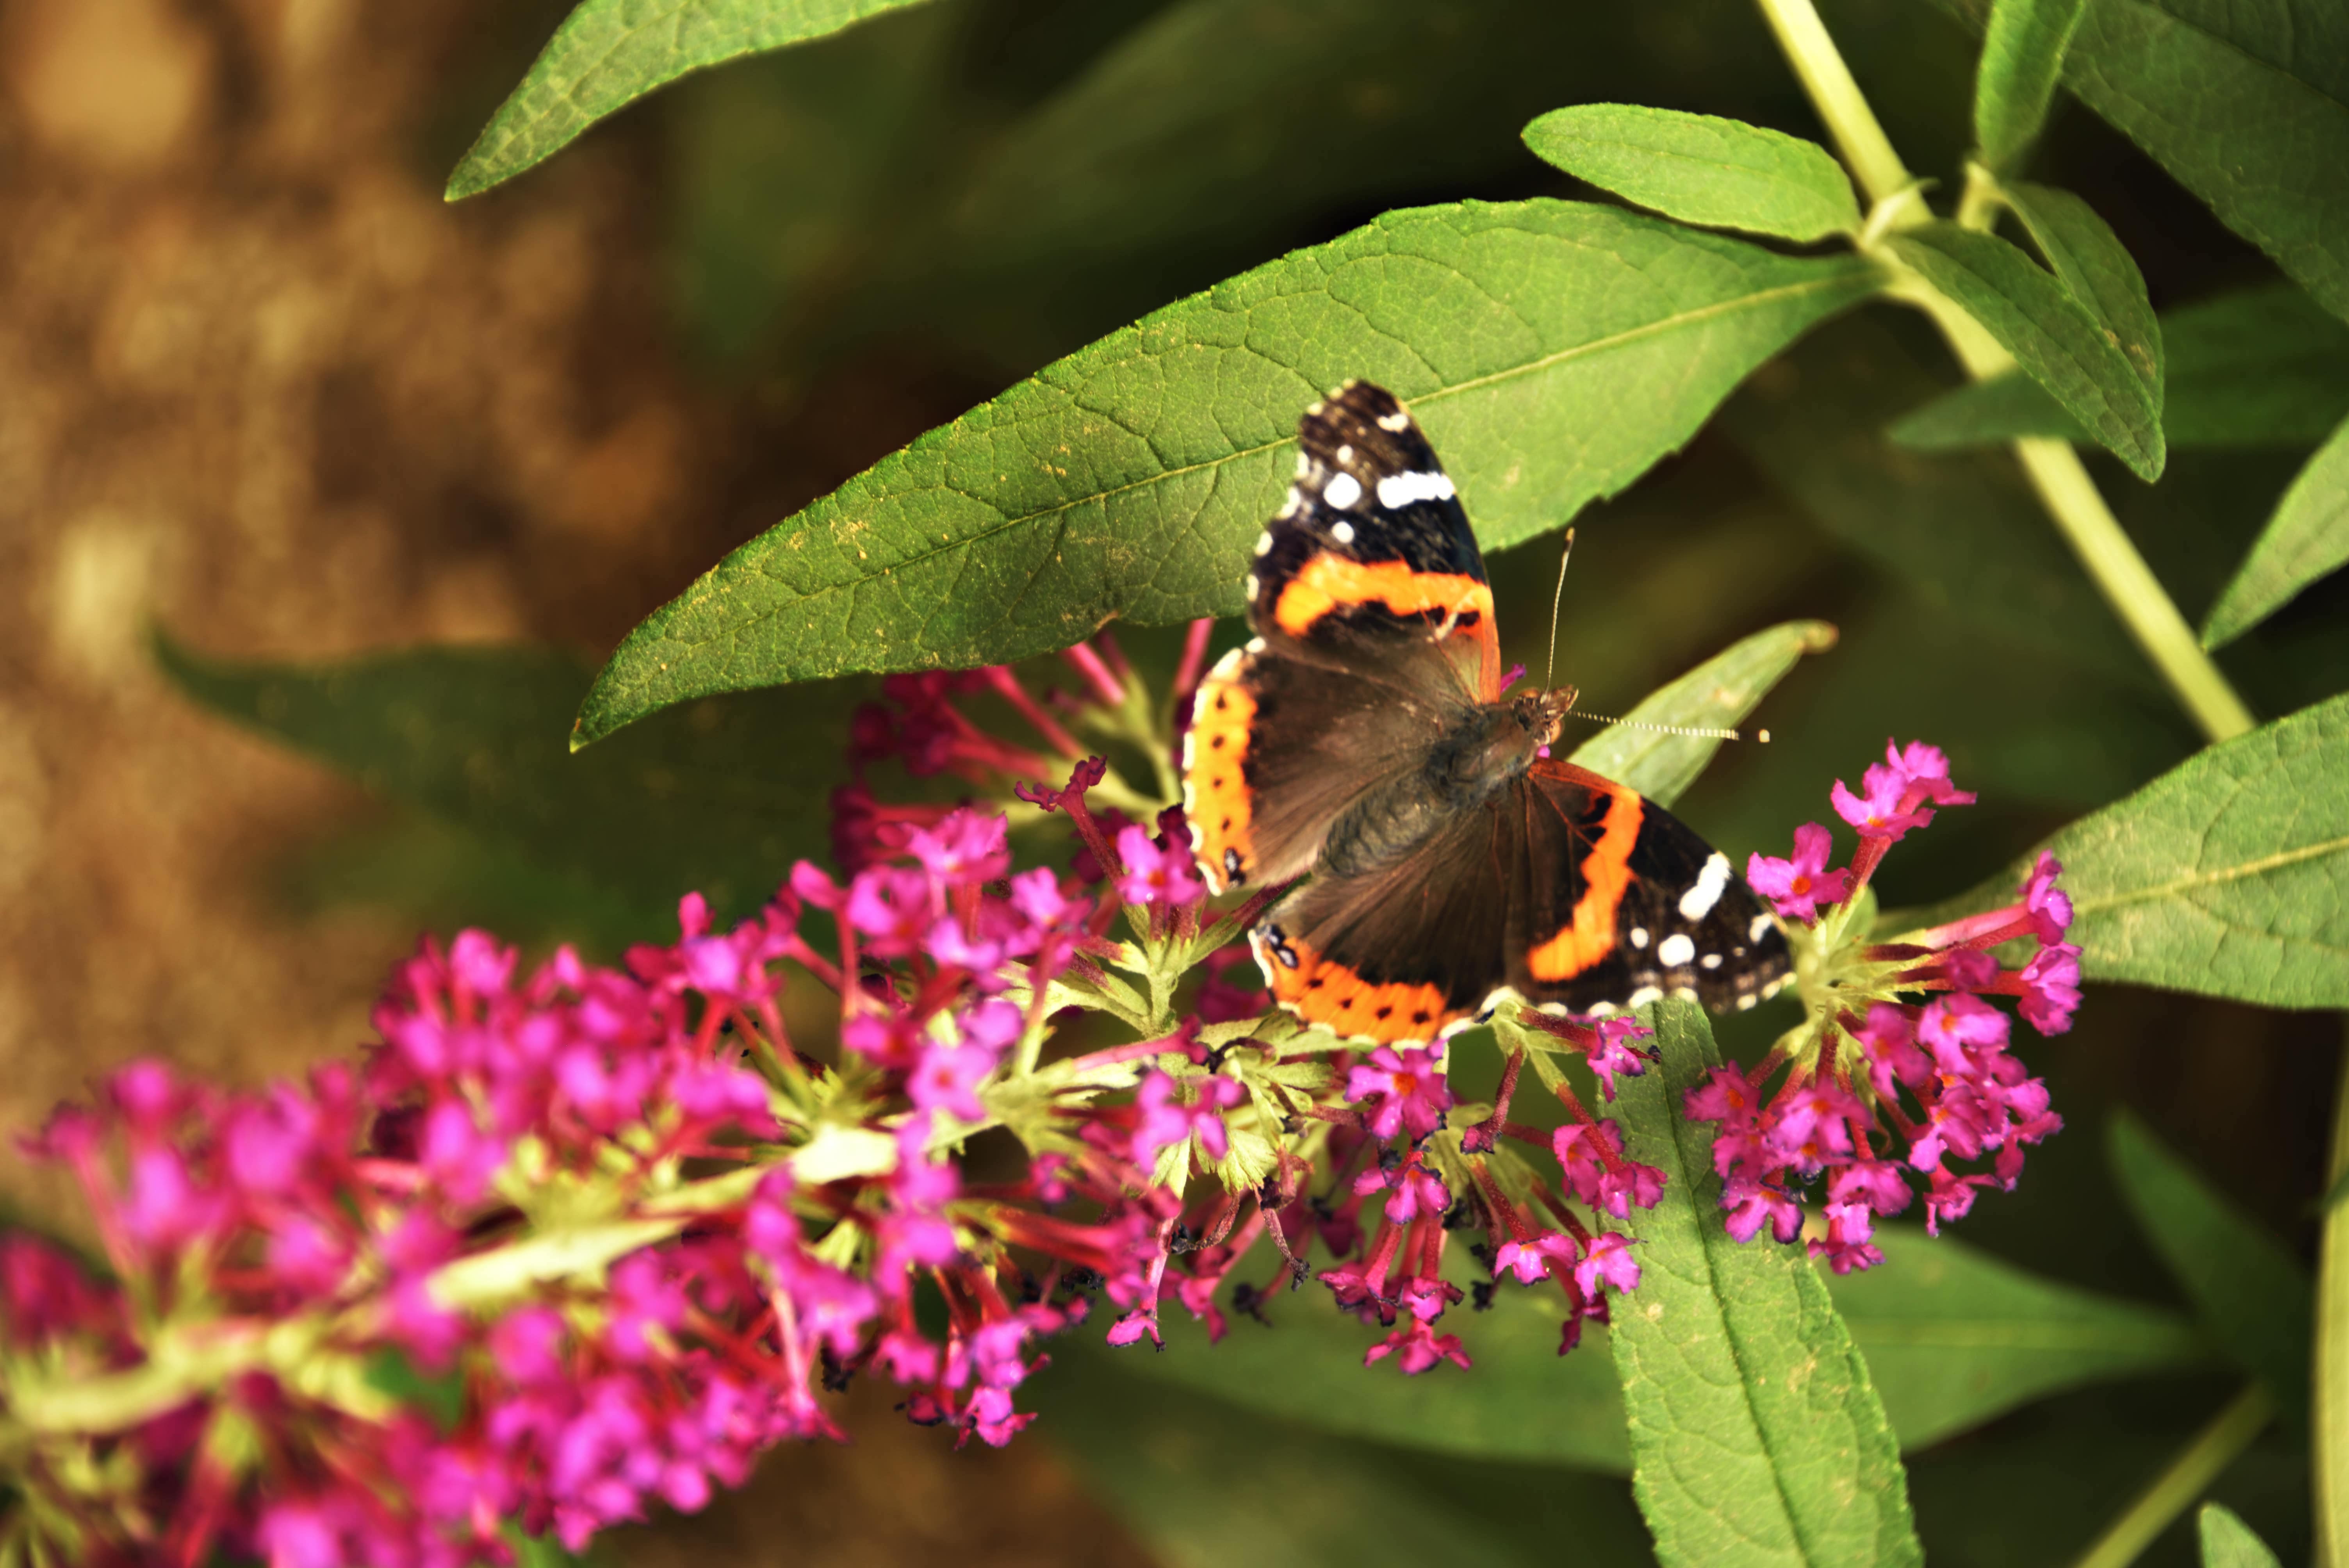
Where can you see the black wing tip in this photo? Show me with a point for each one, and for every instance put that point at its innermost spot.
(1363, 428)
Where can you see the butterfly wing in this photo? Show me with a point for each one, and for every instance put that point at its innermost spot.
(1374, 630)
(1411, 951)
(1370, 565)
(1625, 904)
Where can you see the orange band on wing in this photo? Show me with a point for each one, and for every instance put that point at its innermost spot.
(1332, 995)
(1216, 784)
(1333, 582)
(1589, 935)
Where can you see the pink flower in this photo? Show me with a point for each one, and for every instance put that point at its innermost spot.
(1797, 887)
(1754, 1205)
(2051, 988)
(1615, 1054)
(2050, 907)
(1546, 1252)
(1610, 1261)
(1417, 1348)
(1878, 813)
(1847, 1247)
(1155, 875)
(1166, 1120)
(1407, 1091)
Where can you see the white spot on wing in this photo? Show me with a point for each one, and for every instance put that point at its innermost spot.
(1289, 508)
(1264, 545)
(1304, 465)
(1397, 421)
(1758, 928)
(1345, 454)
(1709, 961)
(1639, 936)
(1343, 492)
(1342, 532)
(1643, 996)
(1252, 586)
(1398, 490)
(1675, 950)
(1711, 883)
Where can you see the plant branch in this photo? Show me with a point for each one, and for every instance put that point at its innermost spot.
(2055, 470)
(2329, 1396)
(2187, 1477)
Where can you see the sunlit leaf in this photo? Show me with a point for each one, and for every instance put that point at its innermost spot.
(2307, 538)
(2253, 1296)
(609, 53)
(722, 796)
(2245, 106)
(2022, 55)
(2227, 1542)
(2258, 368)
(2054, 338)
(2229, 876)
(1717, 694)
(1700, 168)
(1553, 350)
(1756, 1436)
(2091, 261)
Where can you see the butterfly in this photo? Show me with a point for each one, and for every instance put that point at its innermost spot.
(1362, 736)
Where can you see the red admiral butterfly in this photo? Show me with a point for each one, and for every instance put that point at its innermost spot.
(1362, 736)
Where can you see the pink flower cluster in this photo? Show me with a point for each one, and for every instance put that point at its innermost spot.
(1894, 1089)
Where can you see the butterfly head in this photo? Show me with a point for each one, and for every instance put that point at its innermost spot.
(1543, 713)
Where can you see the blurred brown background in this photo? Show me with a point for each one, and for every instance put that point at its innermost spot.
(259, 386)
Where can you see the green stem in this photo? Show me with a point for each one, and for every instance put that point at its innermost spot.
(2189, 1476)
(2056, 472)
(2096, 535)
(2329, 1418)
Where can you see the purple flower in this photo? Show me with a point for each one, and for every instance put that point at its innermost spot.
(1545, 1252)
(2051, 988)
(1166, 1120)
(1407, 1091)
(1610, 1261)
(947, 1079)
(1614, 1053)
(967, 847)
(1878, 813)
(1416, 1189)
(1417, 1348)
(1797, 887)
(1847, 1247)
(1155, 875)
(1754, 1206)
(2049, 906)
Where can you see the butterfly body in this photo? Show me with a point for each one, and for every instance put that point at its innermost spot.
(1363, 736)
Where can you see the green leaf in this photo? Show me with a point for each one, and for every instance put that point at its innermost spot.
(1717, 694)
(1700, 168)
(2245, 106)
(1553, 349)
(2228, 1542)
(2228, 875)
(2055, 339)
(2023, 54)
(1203, 1483)
(2307, 539)
(2091, 261)
(722, 796)
(1757, 1437)
(2249, 1290)
(2258, 368)
(609, 53)
(1955, 1336)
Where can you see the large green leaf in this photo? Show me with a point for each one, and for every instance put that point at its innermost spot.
(1717, 694)
(2251, 1294)
(2022, 55)
(2053, 337)
(1205, 1483)
(609, 53)
(2227, 1542)
(1554, 349)
(1757, 1437)
(2091, 261)
(2258, 367)
(2246, 106)
(1952, 1336)
(1702, 169)
(2229, 876)
(722, 796)
(2306, 539)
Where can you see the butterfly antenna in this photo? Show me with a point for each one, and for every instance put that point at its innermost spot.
(1558, 596)
(1761, 735)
